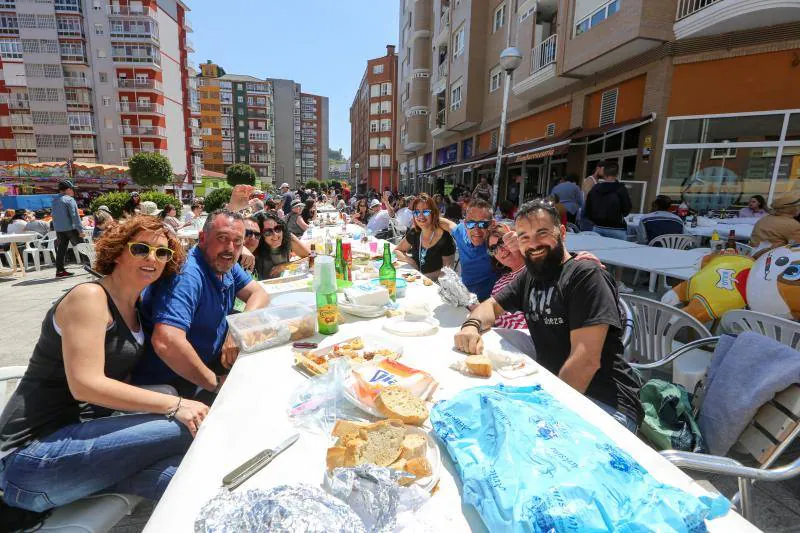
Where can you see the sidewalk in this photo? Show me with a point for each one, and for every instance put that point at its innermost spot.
(25, 301)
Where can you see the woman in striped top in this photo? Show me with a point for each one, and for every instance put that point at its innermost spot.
(503, 247)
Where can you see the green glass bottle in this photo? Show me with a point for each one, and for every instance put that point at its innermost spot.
(327, 304)
(339, 260)
(388, 274)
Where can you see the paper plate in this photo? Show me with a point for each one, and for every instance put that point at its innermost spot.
(364, 311)
(432, 454)
(399, 326)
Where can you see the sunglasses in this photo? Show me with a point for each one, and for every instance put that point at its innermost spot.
(493, 249)
(426, 212)
(250, 234)
(481, 224)
(273, 231)
(141, 250)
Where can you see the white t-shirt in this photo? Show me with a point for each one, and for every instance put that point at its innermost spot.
(378, 222)
(17, 226)
(405, 217)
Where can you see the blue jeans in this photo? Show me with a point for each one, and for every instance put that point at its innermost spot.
(619, 416)
(611, 233)
(131, 454)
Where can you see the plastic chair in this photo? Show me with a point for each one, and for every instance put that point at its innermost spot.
(573, 228)
(93, 514)
(657, 226)
(744, 249)
(656, 327)
(627, 326)
(674, 241)
(87, 250)
(34, 249)
(780, 329)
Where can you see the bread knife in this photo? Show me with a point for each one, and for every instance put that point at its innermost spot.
(250, 467)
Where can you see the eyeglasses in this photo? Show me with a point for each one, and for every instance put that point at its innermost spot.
(141, 250)
(250, 234)
(481, 224)
(272, 231)
(426, 212)
(493, 249)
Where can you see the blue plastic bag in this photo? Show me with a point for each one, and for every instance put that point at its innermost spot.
(528, 463)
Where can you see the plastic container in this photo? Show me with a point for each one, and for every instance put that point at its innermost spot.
(272, 326)
(401, 286)
(301, 319)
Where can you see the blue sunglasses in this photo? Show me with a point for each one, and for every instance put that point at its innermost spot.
(481, 224)
(426, 212)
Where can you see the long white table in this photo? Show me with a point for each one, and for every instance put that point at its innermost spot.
(17, 265)
(742, 226)
(250, 415)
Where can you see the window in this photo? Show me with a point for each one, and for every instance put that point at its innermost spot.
(499, 18)
(495, 79)
(97, 5)
(109, 124)
(374, 108)
(373, 126)
(493, 140)
(386, 89)
(386, 124)
(98, 29)
(109, 146)
(386, 107)
(608, 107)
(455, 96)
(106, 101)
(104, 77)
(596, 16)
(458, 42)
(374, 161)
(374, 90)
(377, 69)
(101, 53)
(240, 99)
(10, 50)
(27, 20)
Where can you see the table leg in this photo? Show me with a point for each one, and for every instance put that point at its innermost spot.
(16, 260)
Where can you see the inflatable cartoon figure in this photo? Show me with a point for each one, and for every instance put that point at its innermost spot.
(769, 284)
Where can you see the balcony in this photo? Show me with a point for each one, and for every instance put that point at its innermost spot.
(65, 6)
(190, 46)
(154, 60)
(127, 153)
(196, 142)
(443, 36)
(74, 58)
(440, 125)
(441, 81)
(140, 107)
(7, 31)
(142, 131)
(139, 85)
(77, 81)
(79, 105)
(71, 33)
(8, 4)
(19, 104)
(127, 12)
(697, 18)
(82, 128)
(134, 35)
(188, 26)
(22, 128)
(543, 78)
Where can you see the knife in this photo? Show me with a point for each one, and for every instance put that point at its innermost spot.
(250, 467)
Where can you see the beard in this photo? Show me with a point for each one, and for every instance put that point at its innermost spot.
(547, 266)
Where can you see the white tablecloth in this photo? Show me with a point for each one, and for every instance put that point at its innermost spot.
(742, 226)
(580, 242)
(250, 415)
(17, 238)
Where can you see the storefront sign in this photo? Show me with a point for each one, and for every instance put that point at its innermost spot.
(536, 155)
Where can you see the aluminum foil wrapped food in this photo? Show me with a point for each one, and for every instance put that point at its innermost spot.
(286, 508)
(453, 291)
(371, 491)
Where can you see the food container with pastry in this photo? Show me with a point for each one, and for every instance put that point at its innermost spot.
(388, 443)
(357, 350)
(271, 326)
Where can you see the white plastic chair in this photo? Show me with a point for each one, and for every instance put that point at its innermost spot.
(675, 241)
(744, 249)
(93, 514)
(87, 250)
(655, 328)
(780, 329)
(37, 249)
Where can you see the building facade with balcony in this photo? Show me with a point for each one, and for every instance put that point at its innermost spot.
(313, 137)
(95, 81)
(692, 98)
(373, 125)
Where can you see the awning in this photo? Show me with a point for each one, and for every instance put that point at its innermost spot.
(539, 149)
(476, 161)
(615, 128)
(436, 169)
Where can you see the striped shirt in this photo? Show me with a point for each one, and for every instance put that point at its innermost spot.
(509, 320)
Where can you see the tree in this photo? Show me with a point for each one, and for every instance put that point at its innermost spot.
(335, 155)
(313, 185)
(148, 169)
(241, 174)
(217, 199)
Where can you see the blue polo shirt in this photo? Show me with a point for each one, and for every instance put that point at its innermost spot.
(196, 301)
(477, 271)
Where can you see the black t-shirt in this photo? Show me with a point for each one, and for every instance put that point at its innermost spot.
(444, 247)
(583, 295)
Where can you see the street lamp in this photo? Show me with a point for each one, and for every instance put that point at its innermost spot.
(357, 166)
(510, 59)
(381, 148)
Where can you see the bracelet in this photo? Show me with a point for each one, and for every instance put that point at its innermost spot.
(474, 322)
(171, 413)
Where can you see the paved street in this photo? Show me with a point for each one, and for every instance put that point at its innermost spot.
(25, 302)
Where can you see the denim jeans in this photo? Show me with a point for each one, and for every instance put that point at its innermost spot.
(619, 416)
(612, 233)
(131, 454)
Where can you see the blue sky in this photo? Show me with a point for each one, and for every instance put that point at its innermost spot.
(323, 44)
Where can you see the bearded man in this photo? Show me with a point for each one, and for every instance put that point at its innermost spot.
(572, 311)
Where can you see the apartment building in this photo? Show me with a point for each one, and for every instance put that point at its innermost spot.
(373, 117)
(267, 123)
(314, 137)
(692, 98)
(95, 80)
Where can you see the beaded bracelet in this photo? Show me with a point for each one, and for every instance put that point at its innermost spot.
(171, 413)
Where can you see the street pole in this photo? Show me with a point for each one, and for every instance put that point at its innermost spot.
(510, 59)
(381, 147)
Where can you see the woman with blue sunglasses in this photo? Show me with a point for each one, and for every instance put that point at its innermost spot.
(426, 246)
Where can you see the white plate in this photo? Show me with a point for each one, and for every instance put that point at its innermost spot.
(397, 325)
(364, 311)
(434, 458)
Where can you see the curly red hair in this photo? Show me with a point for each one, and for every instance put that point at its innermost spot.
(115, 240)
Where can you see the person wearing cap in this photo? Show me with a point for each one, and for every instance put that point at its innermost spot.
(149, 208)
(38, 224)
(379, 217)
(294, 222)
(287, 196)
(66, 223)
(102, 221)
(779, 228)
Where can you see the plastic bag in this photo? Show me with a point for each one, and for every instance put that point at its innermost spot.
(453, 291)
(319, 402)
(528, 463)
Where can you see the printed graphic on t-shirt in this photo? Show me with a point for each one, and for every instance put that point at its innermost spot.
(540, 307)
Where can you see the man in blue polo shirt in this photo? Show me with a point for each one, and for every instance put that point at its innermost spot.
(184, 317)
(471, 238)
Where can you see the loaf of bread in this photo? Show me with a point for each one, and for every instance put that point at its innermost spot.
(420, 467)
(479, 365)
(344, 427)
(396, 402)
(414, 445)
(380, 443)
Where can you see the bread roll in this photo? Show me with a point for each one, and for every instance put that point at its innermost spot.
(396, 402)
(414, 445)
(479, 365)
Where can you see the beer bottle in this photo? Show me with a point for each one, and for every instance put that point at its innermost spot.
(339, 260)
(731, 244)
(327, 304)
(388, 274)
(312, 257)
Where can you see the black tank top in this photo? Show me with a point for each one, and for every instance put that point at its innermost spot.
(42, 402)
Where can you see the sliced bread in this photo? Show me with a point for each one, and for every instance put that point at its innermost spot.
(336, 457)
(396, 402)
(343, 427)
(414, 445)
(382, 445)
(479, 365)
(419, 466)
